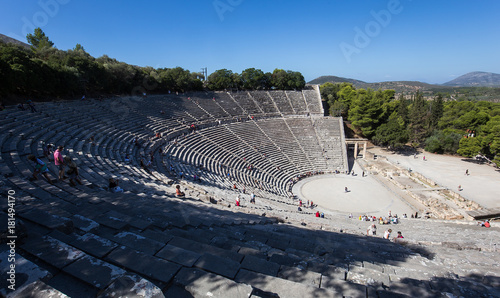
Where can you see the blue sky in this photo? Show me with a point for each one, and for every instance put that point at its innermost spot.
(429, 41)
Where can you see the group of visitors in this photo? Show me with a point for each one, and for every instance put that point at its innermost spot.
(322, 215)
(67, 168)
(383, 220)
(30, 105)
(238, 199)
(372, 231)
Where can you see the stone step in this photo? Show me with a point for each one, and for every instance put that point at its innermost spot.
(144, 264)
(52, 251)
(138, 242)
(26, 276)
(204, 284)
(94, 271)
(48, 220)
(178, 255)
(131, 286)
(218, 265)
(281, 287)
(202, 248)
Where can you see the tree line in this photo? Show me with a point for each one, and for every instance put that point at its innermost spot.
(45, 71)
(467, 128)
(256, 79)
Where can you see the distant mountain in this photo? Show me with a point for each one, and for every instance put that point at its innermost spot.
(333, 79)
(6, 39)
(476, 79)
(398, 86)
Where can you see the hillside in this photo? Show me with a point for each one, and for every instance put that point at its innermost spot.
(471, 86)
(399, 86)
(6, 39)
(335, 79)
(476, 79)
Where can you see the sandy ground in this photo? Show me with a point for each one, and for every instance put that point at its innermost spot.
(482, 185)
(369, 196)
(365, 196)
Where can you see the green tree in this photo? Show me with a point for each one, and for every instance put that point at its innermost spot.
(436, 110)
(78, 47)
(279, 79)
(470, 147)
(443, 142)
(393, 133)
(419, 119)
(221, 79)
(38, 40)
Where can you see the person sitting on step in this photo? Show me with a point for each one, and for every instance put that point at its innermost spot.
(113, 185)
(72, 171)
(178, 191)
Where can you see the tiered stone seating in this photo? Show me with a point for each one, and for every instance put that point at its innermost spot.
(282, 102)
(313, 101)
(228, 103)
(85, 241)
(247, 103)
(298, 102)
(329, 130)
(265, 102)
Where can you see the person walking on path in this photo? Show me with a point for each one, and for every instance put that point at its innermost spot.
(40, 167)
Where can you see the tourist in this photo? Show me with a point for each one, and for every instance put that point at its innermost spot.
(31, 105)
(59, 162)
(346, 189)
(178, 191)
(372, 230)
(485, 224)
(21, 107)
(467, 172)
(238, 200)
(317, 213)
(47, 151)
(322, 215)
(387, 234)
(127, 158)
(40, 167)
(399, 236)
(113, 185)
(72, 171)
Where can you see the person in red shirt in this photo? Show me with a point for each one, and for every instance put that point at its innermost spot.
(317, 213)
(59, 162)
(178, 191)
